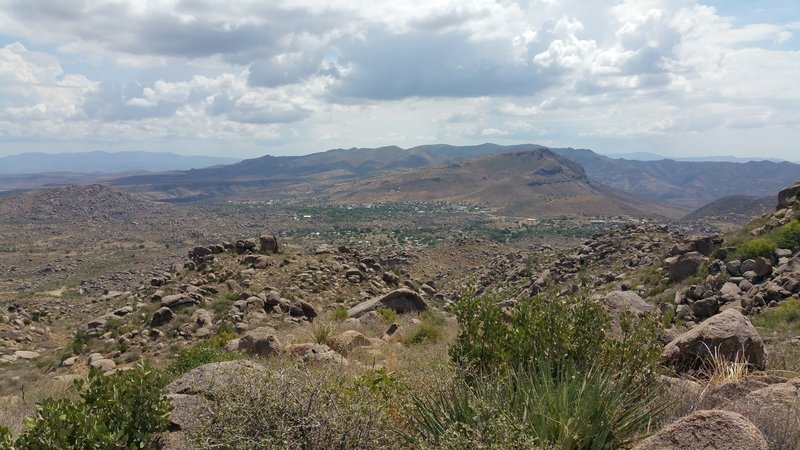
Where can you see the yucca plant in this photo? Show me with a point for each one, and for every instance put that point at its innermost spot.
(529, 408)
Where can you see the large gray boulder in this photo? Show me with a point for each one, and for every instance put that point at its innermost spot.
(262, 341)
(775, 409)
(401, 300)
(788, 195)
(707, 430)
(619, 303)
(209, 378)
(729, 334)
(684, 266)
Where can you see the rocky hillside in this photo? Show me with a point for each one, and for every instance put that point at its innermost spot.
(316, 344)
(77, 203)
(532, 183)
(737, 209)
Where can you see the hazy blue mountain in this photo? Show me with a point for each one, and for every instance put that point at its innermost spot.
(91, 162)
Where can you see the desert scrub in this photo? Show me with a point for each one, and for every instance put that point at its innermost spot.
(788, 236)
(756, 247)
(304, 408)
(207, 351)
(123, 411)
(546, 373)
(783, 319)
(430, 330)
(321, 331)
(339, 314)
(388, 314)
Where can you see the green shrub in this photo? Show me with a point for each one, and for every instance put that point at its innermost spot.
(6, 439)
(425, 332)
(528, 408)
(784, 318)
(339, 314)
(430, 330)
(757, 247)
(321, 332)
(121, 411)
(547, 372)
(204, 352)
(573, 331)
(388, 314)
(788, 236)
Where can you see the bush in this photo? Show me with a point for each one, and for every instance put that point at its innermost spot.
(122, 411)
(757, 247)
(430, 330)
(573, 331)
(546, 373)
(388, 314)
(301, 408)
(339, 314)
(204, 352)
(788, 236)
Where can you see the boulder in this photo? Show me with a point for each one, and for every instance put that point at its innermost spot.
(162, 316)
(734, 268)
(773, 407)
(269, 243)
(762, 267)
(709, 429)
(206, 379)
(401, 300)
(184, 419)
(313, 353)
(26, 354)
(261, 262)
(684, 266)
(619, 303)
(261, 341)
(729, 334)
(788, 195)
(347, 341)
(177, 300)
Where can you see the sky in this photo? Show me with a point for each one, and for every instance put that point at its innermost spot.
(679, 78)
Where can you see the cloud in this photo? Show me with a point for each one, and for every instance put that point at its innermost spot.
(382, 65)
(304, 75)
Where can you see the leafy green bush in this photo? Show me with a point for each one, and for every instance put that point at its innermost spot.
(788, 236)
(757, 247)
(121, 411)
(208, 351)
(528, 408)
(546, 372)
(572, 331)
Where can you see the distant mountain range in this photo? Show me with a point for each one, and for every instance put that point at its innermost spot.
(666, 187)
(646, 156)
(685, 184)
(104, 162)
